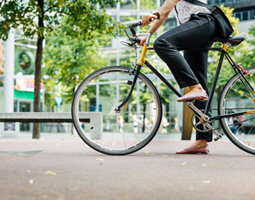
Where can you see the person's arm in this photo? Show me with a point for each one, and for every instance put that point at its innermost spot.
(163, 11)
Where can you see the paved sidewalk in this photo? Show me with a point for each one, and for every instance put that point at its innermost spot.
(68, 169)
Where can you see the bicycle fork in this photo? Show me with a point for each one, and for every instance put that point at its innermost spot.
(137, 71)
(117, 109)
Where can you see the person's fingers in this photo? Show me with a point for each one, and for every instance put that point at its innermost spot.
(142, 41)
(154, 17)
(146, 19)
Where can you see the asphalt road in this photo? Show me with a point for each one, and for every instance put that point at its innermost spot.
(68, 169)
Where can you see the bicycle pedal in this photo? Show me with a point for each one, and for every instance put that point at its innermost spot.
(217, 138)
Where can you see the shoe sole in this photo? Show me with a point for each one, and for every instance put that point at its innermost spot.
(202, 100)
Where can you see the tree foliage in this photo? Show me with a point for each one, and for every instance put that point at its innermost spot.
(248, 54)
(68, 60)
(83, 15)
(72, 52)
(38, 18)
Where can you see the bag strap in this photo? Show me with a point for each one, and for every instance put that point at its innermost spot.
(199, 3)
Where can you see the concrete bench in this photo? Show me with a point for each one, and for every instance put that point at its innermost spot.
(94, 118)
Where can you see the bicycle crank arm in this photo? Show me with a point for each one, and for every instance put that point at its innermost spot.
(205, 118)
(215, 132)
(197, 111)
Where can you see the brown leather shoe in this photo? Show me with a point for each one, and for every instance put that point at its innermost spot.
(200, 150)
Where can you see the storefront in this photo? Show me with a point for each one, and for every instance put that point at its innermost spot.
(24, 97)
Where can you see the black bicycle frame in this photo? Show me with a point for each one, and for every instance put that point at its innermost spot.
(217, 73)
(223, 54)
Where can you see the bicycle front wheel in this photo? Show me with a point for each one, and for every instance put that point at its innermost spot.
(235, 99)
(117, 132)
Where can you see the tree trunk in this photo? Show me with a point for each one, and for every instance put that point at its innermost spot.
(38, 62)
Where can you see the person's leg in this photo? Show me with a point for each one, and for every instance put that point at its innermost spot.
(196, 33)
(198, 61)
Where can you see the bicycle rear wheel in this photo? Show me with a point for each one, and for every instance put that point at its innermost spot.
(235, 99)
(122, 132)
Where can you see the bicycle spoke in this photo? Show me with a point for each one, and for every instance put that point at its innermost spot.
(239, 93)
(250, 129)
(124, 140)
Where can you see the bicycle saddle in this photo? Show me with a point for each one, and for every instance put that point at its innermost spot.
(233, 41)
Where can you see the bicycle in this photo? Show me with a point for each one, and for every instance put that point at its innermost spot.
(131, 108)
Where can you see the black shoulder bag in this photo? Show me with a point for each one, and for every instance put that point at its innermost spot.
(224, 27)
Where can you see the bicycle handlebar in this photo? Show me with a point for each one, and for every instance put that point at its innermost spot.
(135, 25)
(132, 27)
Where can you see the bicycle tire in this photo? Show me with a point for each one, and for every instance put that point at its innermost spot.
(122, 77)
(241, 129)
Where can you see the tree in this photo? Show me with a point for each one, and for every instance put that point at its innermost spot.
(69, 59)
(37, 18)
(248, 54)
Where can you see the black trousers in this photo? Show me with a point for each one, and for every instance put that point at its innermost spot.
(190, 69)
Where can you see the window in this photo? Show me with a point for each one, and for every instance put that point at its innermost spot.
(129, 18)
(252, 14)
(238, 15)
(245, 16)
(148, 4)
(128, 4)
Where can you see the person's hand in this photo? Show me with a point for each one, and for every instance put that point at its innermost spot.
(147, 19)
(143, 39)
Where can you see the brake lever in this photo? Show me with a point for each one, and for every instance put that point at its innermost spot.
(129, 44)
(136, 40)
